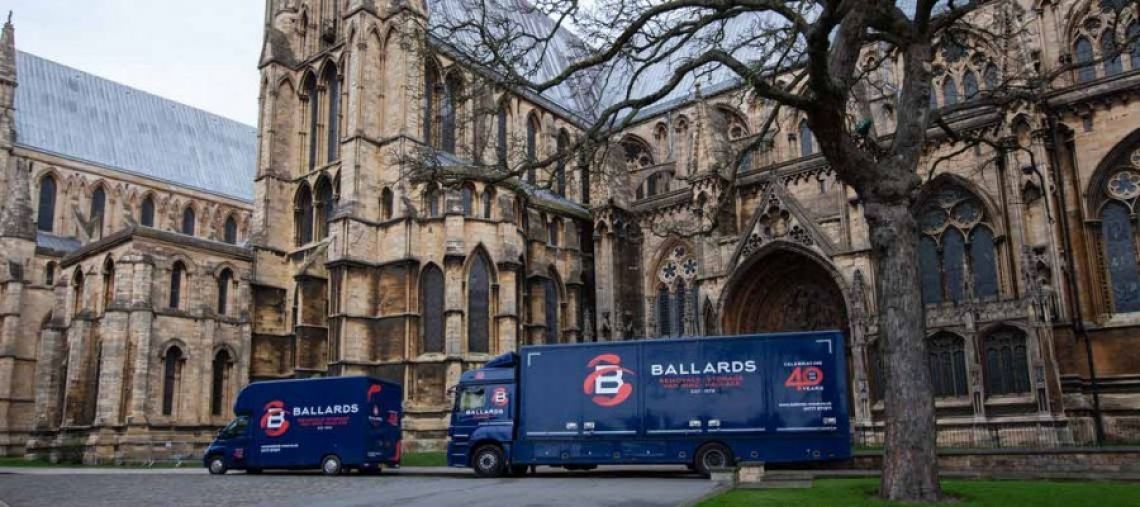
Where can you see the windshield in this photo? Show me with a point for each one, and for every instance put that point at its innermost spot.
(235, 428)
(472, 398)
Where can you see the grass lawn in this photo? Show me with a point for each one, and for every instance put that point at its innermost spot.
(858, 492)
(423, 459)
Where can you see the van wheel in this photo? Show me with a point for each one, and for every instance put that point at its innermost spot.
(217, 465)
(488, 461)
(330, 465)
(712, 456)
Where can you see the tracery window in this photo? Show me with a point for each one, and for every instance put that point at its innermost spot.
(737, 126)
(676, 295)
(1112, 63)
(45, 218)
(947, 263)
(1119, 235)
(1083, 53)
(949, 92)
(947, 364)
(970, 85)
(1005, 362)
(532, 128)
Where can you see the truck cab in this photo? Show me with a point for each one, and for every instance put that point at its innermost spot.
(230, 446)
(483, 417)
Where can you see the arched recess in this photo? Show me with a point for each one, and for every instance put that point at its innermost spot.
(552, 298)
(784, 287)
(431, 310)
(480, 293)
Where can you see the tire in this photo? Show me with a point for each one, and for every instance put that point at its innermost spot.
(330, 465)
(711, 456)
(217, 465)
(488, 461)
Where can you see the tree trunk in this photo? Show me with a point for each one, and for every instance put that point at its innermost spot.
(910, 461)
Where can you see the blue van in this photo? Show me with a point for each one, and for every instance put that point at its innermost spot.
(333, 424)
(701, 402)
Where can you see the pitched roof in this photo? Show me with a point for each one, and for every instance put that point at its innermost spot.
(76, 115)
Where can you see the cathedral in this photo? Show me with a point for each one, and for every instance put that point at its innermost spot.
(157, 258)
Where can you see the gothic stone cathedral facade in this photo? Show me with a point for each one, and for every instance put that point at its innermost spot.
(158, 258)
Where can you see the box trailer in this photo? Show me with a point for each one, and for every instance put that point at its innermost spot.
(333, 424)
(700, 402)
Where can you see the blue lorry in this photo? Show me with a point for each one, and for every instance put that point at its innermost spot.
(334, 424)
(701, 402)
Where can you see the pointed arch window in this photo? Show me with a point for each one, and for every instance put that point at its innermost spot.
(479, 305)
(229, 231)
(325, 205)
(467, 196)
(387, 203)
(77, 291)
(970, 85)
(189, 221)
(949, 92)
(431, 309)
(807, 139)
(1083, 53)
(313, 101)
(1112, 62)
(947, 218)
(108, 283)
(303, 215)
(449, 115)
(560, 170)
(221, 370)
(225, 279)
(501, 121)
(177, 278)
(49, 273)
(947, 365)
(434, 206)
(552, 232)
(146, 212)
(332, 87)
(45, 218)
(488, 203)
(171, 378)
(1005, 362)
(98, 205)
(1119, 236)
(552, 302)
(664, 312)
(532, 127)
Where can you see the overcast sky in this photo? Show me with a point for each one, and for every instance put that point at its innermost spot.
(199, 52)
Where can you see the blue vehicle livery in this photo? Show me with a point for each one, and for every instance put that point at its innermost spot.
(701, 402)
(334, 424)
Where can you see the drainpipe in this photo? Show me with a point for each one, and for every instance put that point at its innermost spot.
(1077, 321)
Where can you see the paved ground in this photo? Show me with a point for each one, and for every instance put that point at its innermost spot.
(407, 487)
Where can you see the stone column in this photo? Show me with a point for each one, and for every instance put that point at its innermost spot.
(142, 305)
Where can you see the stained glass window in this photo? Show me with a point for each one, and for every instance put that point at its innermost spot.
(930, 270)
(953, 258)
(970, 85)
(664, 322)
(1108, 51)
(678, 326)
(949, 92)
(1084, 55)
(1120, 257)
(947, 214)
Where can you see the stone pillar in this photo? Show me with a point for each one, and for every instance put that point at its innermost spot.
(510, 308)
(141, 319)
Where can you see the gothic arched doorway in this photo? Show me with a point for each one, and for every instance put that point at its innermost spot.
(788, 290)
(783, 291)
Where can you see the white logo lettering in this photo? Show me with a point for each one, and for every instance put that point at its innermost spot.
(609, 380)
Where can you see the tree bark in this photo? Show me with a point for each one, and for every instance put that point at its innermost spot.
(910, 461)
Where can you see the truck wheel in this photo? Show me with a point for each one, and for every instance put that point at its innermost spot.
(217, 465)
(712, 456)
(488, 461)
(330, 465)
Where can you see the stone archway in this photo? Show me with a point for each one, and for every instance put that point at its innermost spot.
(784, 290)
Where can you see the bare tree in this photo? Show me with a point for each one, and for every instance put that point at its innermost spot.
(832, 60)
